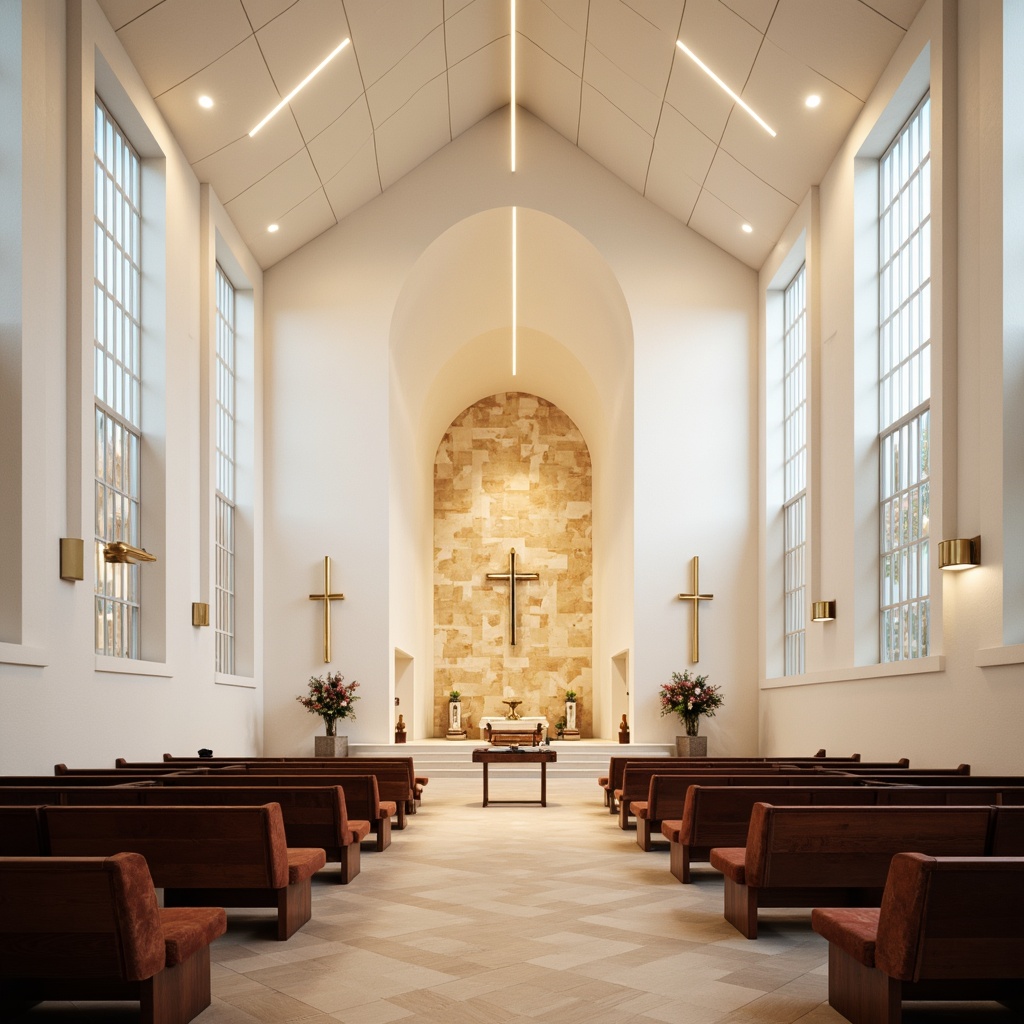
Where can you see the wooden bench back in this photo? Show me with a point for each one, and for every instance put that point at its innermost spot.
(393, 781)
(813, 846)
(185, 847)
(1007, 838)
(952, 917)
(720, 815)
(79, 917)
(21, 830)
(362, 797)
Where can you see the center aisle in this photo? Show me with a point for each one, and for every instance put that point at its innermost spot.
(518, 913)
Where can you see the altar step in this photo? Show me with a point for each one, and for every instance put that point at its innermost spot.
(454, 758)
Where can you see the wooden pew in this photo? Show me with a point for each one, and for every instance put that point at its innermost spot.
(666, 795)
(947, 928)
(88, 928)
(313, 816)
(362, 798)
(21, 830)
(395, 776)
(416, 782)
(617, 765)
(835, 856)
(200, 856)
(720, 815)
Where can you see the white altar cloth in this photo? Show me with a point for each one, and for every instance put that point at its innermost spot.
(501, 722)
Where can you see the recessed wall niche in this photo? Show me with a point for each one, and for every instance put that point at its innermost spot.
(513, 471)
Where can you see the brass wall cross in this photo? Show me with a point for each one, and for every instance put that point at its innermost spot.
(696, 597)
(327, 597)
(513, 578)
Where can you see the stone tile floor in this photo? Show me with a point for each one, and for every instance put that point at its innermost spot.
(516, 914)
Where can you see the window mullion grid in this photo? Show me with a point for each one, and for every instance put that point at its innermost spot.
(117, 383)
(904, 392)
(226, 512)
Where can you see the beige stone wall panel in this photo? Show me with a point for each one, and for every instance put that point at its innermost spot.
(513, 471)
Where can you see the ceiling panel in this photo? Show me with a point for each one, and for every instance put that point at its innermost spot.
(260, 12)
(312, 217)
(680, 150)
(477, 25)
(337, 144)
(717, 223)
(756, 12)
(751, 200)
(394, 89)
(843, 40)
(235, 168)
(634, 45)
(120, 12)
(662, 14)
(387, 30)
(270, 198)
(549, 90)
(618, 88)
(414, 132)
(356, 183)
(560, 38)
(177, 38)
(424, 71)
(807, 139)
(242, 92)
(611, 138)
(478, 85)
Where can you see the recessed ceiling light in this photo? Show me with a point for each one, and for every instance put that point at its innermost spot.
(812, 101)
(707, 71)
(205, 102)
(747, 229)
(309, 78)
(273, 227)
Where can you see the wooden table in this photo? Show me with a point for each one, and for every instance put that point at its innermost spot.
(523, 755)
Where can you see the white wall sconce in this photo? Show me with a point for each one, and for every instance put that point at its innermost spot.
(962, 553)
(823, 611)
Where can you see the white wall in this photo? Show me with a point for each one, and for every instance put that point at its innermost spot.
(677, 417)
(58, 701)
(968, 702)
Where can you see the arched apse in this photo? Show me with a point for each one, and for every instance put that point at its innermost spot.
(450, 345)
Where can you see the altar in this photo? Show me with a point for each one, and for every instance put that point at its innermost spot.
(526, 722)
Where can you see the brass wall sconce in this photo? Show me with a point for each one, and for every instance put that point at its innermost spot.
(200, 613)
(823, 611)
(961, 553)
(121, 552)
(72, 559)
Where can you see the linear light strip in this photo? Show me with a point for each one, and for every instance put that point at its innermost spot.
(512, 90)
(515, 292)
(309, 78)
(696, 60)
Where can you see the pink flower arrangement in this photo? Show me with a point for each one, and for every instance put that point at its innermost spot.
(689, 696)
(330, 698)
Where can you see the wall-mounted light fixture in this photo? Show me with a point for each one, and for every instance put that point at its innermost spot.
(72, 559)
(823, 611)
(200, 613)
(120, 551)
(962, 553)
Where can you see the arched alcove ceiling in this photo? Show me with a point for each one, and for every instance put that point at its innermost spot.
(451, 330)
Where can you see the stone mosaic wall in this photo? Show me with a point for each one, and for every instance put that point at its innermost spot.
(512, 471)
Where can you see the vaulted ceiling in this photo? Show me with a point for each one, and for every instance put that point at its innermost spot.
(605, 74)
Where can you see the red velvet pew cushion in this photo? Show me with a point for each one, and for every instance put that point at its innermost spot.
(672, 830)
(731, 861)
(852, 929)
(188, 929)
(303, 863)
(359, 830)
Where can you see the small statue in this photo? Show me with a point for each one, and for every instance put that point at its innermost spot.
(400, 730)
(624, 730)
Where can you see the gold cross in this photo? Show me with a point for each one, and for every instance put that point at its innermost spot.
(696, 597)
(513, 577)
(327, 597)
